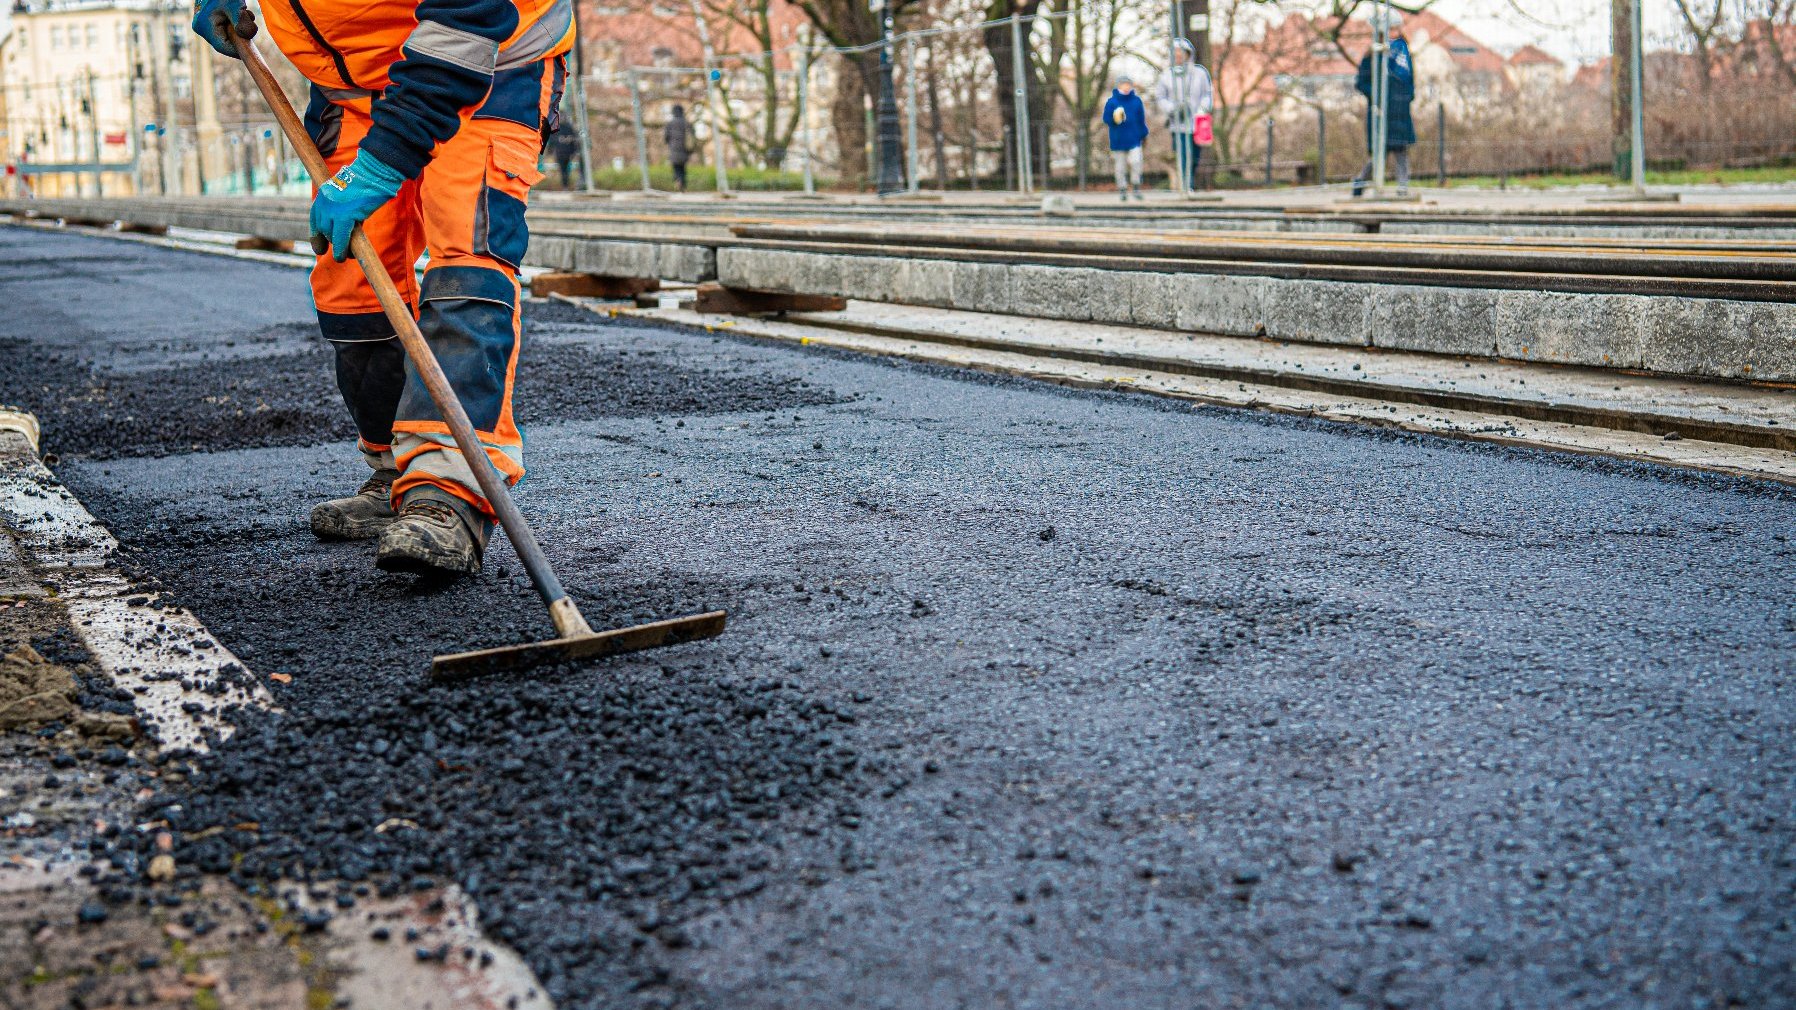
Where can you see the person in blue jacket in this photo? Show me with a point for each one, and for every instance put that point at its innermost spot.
(1400, 130)
(1127, 119)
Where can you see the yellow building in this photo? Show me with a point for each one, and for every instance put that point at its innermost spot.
(113, 95)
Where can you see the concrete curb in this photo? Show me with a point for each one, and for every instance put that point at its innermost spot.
(1710, 338)
(20, 423)
(161, 654)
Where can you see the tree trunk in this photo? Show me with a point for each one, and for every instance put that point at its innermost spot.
(935, 125)
(848, 113)
(997, 45)
(1621, 85)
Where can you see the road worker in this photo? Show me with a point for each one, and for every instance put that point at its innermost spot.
(431, 114)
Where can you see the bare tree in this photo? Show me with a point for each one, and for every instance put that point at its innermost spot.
(852, 24)
(764, 134)
(997, 35)
(1702, 21)
(1084, 46)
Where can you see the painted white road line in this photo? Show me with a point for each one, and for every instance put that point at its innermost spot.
(184, 682)
(465, 970)
(183, 679)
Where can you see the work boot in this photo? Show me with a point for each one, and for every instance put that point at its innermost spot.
(436, 534)
(361, 515)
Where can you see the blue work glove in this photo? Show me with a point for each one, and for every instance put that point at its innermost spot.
(212, 20)
(348, 198)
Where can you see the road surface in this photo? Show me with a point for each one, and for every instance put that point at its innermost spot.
(1030, 697)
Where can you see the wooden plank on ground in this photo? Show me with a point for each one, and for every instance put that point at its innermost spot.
(579, 285)
(714, 297)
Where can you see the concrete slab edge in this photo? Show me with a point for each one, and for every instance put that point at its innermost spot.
(1690, 454)
(1704, 338)
(167, 659)
(183, 680)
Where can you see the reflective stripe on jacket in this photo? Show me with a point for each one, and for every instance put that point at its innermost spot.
(421, 63)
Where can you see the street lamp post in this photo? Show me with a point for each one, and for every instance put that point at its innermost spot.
(891, 164)
(1635, 84)
(1381, 86)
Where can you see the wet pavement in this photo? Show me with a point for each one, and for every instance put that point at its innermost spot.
(1030, 697)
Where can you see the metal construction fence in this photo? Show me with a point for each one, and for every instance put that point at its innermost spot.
(1007, 105)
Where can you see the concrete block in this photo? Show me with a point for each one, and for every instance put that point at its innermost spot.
(816, 274)
(1409, 317)
(928, 282)
(755, 269)
(616, 259)
(1315, 312)
(1148, 299)
(1726, 339)
(982, 287)
(874, 278)
(1218, 303)
(1571, 328)
(690, 263)
(1059, 292)
(552, 251)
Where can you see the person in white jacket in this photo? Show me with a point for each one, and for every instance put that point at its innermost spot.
(1182, 95)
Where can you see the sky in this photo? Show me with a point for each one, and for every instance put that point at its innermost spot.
(1576, 31)
(1573, 30)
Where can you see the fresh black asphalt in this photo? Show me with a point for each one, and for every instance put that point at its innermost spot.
(1030, 697)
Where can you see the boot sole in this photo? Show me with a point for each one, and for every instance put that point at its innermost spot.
(366, 530)
(404, 563)
(401, 564)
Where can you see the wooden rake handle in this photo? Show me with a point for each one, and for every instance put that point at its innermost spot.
(567, 617)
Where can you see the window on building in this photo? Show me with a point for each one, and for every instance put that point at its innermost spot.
(1465, 50)
(93, 36)
(56, 37)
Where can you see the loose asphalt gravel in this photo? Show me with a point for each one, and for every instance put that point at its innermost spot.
(1030, 697)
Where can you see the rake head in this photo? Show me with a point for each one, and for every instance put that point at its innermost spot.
(588, 645)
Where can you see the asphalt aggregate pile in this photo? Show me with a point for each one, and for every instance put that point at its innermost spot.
(1030, 697)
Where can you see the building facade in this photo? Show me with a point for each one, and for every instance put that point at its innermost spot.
(107, 96)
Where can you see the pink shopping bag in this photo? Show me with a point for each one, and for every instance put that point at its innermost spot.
(1201, 133)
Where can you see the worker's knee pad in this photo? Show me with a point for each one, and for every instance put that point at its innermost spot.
(469, 315)
(371, 377)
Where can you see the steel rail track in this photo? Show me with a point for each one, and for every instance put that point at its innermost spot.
(1231, 254)
(1637, 420)
(1459, 276)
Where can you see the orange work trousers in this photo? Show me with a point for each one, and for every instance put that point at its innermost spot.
(467, 212)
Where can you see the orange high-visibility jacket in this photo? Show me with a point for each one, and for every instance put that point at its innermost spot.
(422, 63)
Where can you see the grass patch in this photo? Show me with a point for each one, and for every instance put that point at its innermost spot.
(1654, 177)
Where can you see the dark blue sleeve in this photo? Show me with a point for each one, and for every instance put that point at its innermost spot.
(1403, 69)
(1362, 82)
(446, 67)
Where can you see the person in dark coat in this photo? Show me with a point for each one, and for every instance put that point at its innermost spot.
(1127, 119)
(678, 135)
(564, 145)
(1400, 130)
